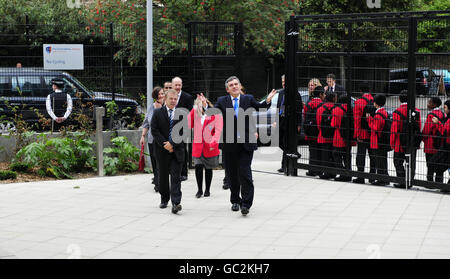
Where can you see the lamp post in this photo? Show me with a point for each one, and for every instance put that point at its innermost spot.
(149, 53)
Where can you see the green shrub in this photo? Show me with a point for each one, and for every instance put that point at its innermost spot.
(7, 174)
(19, 167)
(123, 156)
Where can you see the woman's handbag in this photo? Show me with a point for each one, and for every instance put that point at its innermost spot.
(142, 159)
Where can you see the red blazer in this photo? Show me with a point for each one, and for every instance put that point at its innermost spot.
(397, 127)
(206, 136)
(376, 125)
(336, 122)
(320, 138)
(430, 131)
(444, 130)
(313, 103)
(358, 114)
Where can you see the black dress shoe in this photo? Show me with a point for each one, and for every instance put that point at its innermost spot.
(310, 174)
(359, 180)
(199, 194)
(226, 186)
(325, 176)
(176, 208)
(398, 185)
(380, 183)
(163, 205)
(207, 194)
(244, 210)
(183, 178)
(343, 178)
(281, 170)
(235, 207)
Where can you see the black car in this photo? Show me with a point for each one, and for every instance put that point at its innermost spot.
(398, 80)
(25, 90)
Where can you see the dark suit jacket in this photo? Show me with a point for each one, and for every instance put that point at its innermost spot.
(160, 130)
(246, 101)
(339, 90)
(186, 101)
(283, 121)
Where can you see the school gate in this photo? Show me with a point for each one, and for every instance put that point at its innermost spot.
(387, 51)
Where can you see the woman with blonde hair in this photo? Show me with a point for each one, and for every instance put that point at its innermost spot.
(205, 146)
(312, 84)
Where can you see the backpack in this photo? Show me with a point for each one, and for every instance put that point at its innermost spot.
(346, 121)
(415, 129)
(438, 140)
(325, 123)
(384, 139)
(310, 124)
(369, 108)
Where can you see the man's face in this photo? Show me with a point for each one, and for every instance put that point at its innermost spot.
(234, 87)
(171, 100)
(282, 82)
(177, 84)
(430, 105)
(330, 81)
(167, 86)
(446, 109)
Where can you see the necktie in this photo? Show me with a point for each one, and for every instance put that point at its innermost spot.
(170, 124)
(236, 107)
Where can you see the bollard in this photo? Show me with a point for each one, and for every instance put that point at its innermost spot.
(99, 112)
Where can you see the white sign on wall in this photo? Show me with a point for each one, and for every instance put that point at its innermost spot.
(63, 57)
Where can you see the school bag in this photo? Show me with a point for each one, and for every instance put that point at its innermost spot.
(325, 123)
(415, 129)
(347, 126)
(310, 124)
(369, 108)
(384, 139)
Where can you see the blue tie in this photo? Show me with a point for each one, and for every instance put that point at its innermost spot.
(236, 107)
(170, 124)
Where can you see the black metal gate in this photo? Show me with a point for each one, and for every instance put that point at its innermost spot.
(377, 53)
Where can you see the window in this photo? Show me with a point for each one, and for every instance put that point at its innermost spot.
(5, 89)
(25, 85)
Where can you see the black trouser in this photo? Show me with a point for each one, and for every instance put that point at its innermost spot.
(283, 141)
(168, 165)
(340, 158)
(240, 174)
(381, 162)
(153, 160)
(432, 169)
(363, 148)
(399, 160)
(184, 167)
(226, 180)
(326, 151)
(314, 153)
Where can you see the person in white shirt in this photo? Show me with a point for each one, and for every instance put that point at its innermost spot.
(58, 104)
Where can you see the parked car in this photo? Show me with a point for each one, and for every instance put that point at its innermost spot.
(27, 90)
(398, 80)
(446, 75)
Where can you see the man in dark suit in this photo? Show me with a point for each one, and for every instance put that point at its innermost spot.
(239, 141)
(282, 125)
(333, 87)
(186, 101)
(170, 155)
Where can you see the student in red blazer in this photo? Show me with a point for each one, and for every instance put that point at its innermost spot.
(430, 138)
(444, 129)
(325, 144)
(205, 146)
(376, 124)
(362, 133)
(339, 143)
(309, 113)
(397, 130)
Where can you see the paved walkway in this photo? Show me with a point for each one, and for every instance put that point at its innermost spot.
(292, 217)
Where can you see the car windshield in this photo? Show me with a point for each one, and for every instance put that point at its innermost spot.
(75, 80)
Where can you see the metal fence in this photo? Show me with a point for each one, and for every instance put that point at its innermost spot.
(381, 54)
(203, 54)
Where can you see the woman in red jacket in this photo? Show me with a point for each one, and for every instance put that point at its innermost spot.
(205, 147)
